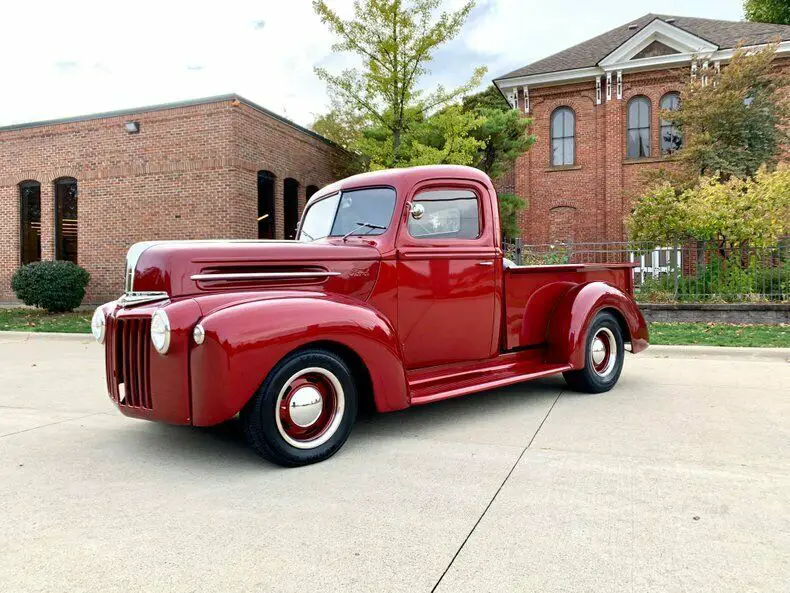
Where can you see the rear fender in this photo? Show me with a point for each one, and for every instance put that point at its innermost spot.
(244, 342)
(574, 313)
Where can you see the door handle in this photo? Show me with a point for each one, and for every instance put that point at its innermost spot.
(485, 263)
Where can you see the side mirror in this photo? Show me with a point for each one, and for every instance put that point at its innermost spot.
(417, 211)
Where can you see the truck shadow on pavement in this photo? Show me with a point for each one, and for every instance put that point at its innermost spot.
(515, 407)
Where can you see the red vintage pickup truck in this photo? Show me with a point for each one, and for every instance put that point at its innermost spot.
(395, 292)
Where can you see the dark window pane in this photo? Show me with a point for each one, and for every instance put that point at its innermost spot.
(670, 135)
(30, 209)
(66, 220)
(556, 152)
(644, 115)
(556, 124)
(562, 136)
(290, 207)
(644, 142)
(568, 151)
(449, 214)
(633, 115)
(374, 205)
(266, 205)
(633, 144)
(670, 139)
(638, 138)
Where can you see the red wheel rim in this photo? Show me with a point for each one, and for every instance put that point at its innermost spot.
(309, 408)
(603, 352)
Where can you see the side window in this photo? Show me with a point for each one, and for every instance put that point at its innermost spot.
(446, 214)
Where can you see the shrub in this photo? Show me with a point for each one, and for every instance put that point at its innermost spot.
(56, 286)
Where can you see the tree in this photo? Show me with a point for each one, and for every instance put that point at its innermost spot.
(502, 132)
(509, 207)
(732, 213)
(395, 39)
(341, 126)
(767, 11)
(733, 124)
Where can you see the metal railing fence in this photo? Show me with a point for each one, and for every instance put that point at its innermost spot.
(693, 272)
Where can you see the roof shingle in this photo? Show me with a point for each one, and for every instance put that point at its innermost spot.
(724, 34)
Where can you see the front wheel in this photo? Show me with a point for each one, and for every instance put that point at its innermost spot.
(603, 359)
(304, 411)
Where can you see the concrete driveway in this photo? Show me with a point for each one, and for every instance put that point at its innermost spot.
(678, 480)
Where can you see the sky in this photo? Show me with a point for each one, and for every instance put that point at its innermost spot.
(74, 57)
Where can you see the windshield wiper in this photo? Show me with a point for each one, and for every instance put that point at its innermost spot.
(360, 224)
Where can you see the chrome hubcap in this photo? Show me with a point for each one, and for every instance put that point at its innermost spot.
(603, 352)
(306, 406)
(598, 351)
(310, 408)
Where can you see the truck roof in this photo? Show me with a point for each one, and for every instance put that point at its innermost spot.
(404, 178)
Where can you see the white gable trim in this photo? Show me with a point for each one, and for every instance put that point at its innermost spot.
(560, 77)
(658, 30)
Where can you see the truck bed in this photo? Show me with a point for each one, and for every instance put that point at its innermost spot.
(531, 292)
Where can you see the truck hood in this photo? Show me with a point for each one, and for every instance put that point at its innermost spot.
(188, 268)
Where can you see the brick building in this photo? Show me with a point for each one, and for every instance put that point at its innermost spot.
(86, 188)
(595, 110)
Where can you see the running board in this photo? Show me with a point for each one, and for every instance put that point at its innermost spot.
(428, 387)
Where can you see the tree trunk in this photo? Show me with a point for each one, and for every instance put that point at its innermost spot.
(395, 146)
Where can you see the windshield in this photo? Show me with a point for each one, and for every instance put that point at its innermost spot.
(344, 214)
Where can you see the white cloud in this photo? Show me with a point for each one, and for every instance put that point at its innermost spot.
(87, 56)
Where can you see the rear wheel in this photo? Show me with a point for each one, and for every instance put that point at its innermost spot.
(604, 352)
(304, 411)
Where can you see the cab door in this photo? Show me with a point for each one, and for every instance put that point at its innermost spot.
(447, 281)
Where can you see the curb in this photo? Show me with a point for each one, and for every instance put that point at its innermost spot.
(17, 336)
(718, 352)
(654, 351)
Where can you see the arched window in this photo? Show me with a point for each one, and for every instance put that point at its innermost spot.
(563, 137)
(670, 135)
(30, 213)
(310, 190)
(66, 219)
(265, 205)
(290, 207)
(638, 128)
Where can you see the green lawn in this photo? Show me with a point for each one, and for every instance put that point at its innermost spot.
(707, 334)
(36, 320)
(720, 334)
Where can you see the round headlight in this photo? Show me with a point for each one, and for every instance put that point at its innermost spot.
(98, 325)
(160, 331)
(199, 334)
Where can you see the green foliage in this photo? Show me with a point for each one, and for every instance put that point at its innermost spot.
(36, 320)
(721, 334)
(767, 11)
(379, 114)
(502, 137)
(489, 98)
(509, 207)
(554, 255)
(735, 278)
(731, 213)
(395, 41)
(733, 125)
(56, 286)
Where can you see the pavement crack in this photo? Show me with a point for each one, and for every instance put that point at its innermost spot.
(10, 434)
(498, 490)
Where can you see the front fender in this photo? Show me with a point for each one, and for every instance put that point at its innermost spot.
(245, 341)
(576, 310)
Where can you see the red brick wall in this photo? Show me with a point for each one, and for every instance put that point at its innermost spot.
(589, 200)
(190, 173)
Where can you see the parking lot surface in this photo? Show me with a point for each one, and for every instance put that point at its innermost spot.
(677, 480)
